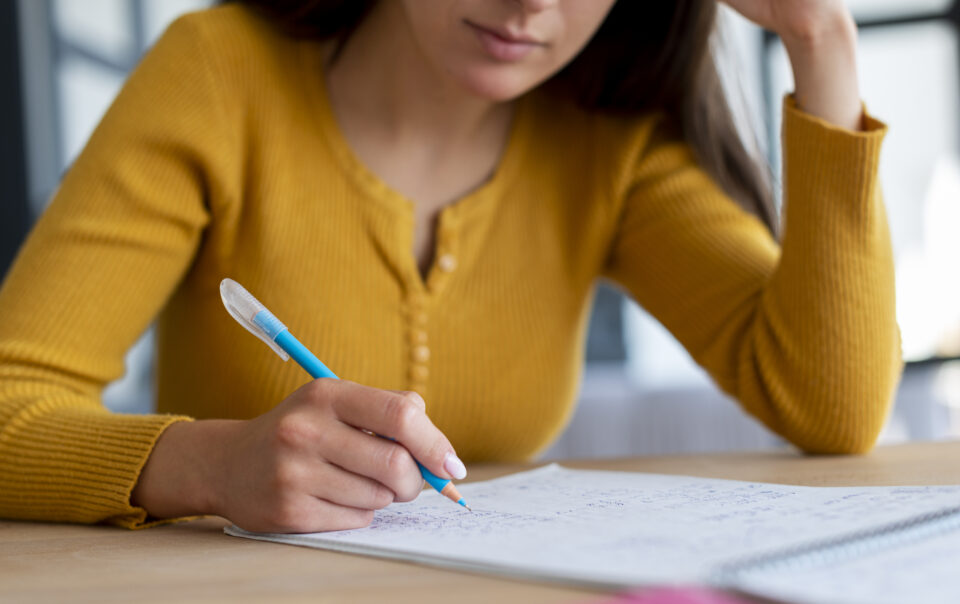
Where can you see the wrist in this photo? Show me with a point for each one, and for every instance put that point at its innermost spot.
(182, 474)
(823, 35)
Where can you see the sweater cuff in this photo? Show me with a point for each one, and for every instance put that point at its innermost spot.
(81, 465)
(827, 167)
(869, 123)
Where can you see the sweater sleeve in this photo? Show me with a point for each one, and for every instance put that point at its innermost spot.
(119, 234)
(803, 335)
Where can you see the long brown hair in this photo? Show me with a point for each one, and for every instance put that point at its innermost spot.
(645, 56)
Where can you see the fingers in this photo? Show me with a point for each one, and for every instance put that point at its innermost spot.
(308, 466)
(401, 417)
(332, 517)
(347, 489)
(415, 398)
(385, 462)
(307, 514)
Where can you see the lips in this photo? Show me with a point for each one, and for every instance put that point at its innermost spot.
(502, 45)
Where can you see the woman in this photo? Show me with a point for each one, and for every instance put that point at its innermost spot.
(426, 193)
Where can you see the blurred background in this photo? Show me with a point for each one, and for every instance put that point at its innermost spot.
(63, 61)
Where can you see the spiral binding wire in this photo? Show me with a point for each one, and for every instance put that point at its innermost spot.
(845, 547)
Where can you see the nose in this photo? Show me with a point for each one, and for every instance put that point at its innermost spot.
(536, 6)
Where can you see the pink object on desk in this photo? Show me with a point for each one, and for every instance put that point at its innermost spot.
(675, 595)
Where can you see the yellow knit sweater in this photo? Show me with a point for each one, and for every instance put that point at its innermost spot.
(221, 158)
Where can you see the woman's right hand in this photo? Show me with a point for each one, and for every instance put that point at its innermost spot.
(307, 465)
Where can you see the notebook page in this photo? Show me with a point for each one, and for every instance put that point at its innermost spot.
(618, 529)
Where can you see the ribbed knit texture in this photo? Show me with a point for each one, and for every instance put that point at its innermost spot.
(221, 157)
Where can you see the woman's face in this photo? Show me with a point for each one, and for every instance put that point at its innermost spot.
(499, 49)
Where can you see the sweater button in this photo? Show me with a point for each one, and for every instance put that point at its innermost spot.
(447, 262)
(421, 353)
(419, 373)
(418, 336)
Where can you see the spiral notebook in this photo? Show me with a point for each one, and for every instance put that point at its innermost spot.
(625, 529)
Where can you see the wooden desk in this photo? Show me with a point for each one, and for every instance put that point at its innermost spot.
(195, 561)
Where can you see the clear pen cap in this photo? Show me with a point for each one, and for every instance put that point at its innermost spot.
(254, 316)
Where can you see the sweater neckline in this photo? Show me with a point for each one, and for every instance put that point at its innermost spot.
(314, 74)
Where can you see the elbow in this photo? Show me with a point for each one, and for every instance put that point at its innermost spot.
(849, 423)
(850, 442)
(840, 433)
(839, 407)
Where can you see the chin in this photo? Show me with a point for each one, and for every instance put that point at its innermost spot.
(498, 83)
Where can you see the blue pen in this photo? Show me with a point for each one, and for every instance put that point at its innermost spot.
(255, 318)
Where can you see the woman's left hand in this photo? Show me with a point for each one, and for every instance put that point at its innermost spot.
(820, 37)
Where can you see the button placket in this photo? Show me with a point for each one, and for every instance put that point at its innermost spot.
(419, 351)
(420, 298)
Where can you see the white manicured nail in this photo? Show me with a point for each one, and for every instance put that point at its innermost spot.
(454, 466)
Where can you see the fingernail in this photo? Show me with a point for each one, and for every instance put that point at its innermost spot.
(454, 466)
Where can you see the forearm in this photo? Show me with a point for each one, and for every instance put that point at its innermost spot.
(824, 356)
